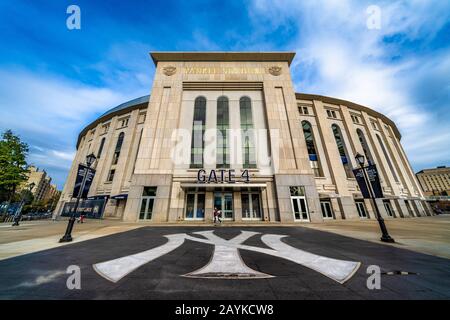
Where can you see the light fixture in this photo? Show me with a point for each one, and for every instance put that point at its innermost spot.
(360, 159)
(90, 159)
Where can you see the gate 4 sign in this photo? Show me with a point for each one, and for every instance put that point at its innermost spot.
(226, 261)
(221, 176)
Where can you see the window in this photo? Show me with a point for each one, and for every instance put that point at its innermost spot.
(312, 152)
(249, 154)
(362, 211)
(388, 159)
(342, 150)
(365, 147)
(388, 207)
(147, 202)
(223, 124)
(118, 147)
(198, 131)
(331, 114)
(141, 118)
(100, 149)
(105, 128)
(355, 119)
(123, 122)
(303, 109)
(374, 125)
(111, 175)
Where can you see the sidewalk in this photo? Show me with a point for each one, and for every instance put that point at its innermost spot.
(33, 236)
(430, 235)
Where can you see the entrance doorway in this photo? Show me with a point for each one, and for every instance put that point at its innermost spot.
(300, 209)
(362, 212)
(251, 206)
(224, 201)
(327, 211)
(195, 206)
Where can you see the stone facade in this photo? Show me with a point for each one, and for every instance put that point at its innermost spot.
(310, 142)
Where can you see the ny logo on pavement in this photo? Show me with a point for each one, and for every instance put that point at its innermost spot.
(226, 261)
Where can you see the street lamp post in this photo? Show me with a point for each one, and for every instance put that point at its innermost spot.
(18, 216)
(68, 235)
(385, 237)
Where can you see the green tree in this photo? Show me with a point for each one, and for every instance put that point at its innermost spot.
(13, 165)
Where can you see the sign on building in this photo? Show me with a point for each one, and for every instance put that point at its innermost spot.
(82, 171)
(374, 179)
(89, 208)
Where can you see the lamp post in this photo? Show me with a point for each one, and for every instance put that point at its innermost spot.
(385, 237)
(68, 235)
(18, 215)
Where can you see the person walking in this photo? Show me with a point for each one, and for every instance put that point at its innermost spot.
(217, 215)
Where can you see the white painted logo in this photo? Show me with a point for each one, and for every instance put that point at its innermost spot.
(226, 261)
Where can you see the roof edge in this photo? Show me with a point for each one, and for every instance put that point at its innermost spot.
(331, 100)
(286, 56)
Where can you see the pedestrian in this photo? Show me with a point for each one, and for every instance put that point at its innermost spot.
(219, 215)
(215, 214)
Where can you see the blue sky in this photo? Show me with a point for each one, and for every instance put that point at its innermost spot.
(53, 81)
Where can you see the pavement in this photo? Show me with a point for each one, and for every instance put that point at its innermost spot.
(430, 235)
(162, 271)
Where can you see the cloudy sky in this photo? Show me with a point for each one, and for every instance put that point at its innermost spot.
(53, 80)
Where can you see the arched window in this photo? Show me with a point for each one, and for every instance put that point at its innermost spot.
(248, 144)
(198, 131)
(223, 124)
(100, 149)
(118, 147)
(365, 146)
(342, 150)
(312, 151)
(388, 159)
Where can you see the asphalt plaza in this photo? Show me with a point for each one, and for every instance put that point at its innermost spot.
(42, 275)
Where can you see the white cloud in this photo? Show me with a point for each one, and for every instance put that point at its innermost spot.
(48, 112)
(337, 55)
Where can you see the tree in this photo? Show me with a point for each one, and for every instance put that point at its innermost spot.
(13, 165)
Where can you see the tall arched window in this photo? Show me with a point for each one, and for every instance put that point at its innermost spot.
(365, 146)
(198, 131)
(223, 124)
(342, 150)
(118, 147)
(312, 151)
(388, 159)
(248, 144)
(100, 149)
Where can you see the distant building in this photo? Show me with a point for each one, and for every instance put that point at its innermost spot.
(43, 189)
(436, 181)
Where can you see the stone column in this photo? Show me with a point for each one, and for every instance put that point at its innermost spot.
(237, 206)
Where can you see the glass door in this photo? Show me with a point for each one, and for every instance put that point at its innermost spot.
(251, 206)
(195, 206)
(327, 211)
(361, 209)
(300, 209)
(224, 202)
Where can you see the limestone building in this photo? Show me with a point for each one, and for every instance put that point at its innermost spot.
(227, 130)
(436, 181)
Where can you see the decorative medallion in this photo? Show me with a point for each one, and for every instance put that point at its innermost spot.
(275, 70)
(169, 70)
